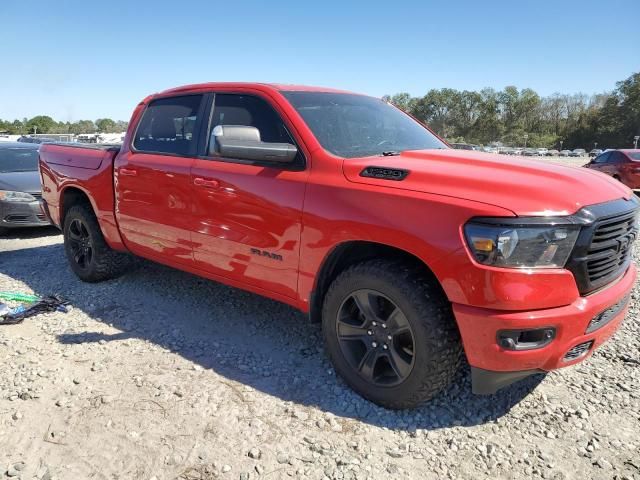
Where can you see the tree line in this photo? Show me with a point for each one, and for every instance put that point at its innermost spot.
(46, 124)
(513, 116)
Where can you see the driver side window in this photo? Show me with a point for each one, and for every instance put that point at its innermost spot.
(249, 111)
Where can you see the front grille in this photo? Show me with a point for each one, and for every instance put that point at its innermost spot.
(603, 249)
(38, 195)
(611, 246)
(578, 351)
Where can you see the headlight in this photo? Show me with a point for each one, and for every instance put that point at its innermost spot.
(9, 196)
(518, 246)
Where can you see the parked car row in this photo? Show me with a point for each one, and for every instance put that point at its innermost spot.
(526, 152)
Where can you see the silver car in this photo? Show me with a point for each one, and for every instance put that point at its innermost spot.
(20, 190)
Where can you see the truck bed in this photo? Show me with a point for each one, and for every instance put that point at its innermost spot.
(80, 169)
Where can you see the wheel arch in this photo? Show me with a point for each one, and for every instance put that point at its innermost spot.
(351, 252)
(71, 196)
(74, 195)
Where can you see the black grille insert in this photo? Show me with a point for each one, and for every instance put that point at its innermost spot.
(578, 351)
(607, 315)
(385, 173)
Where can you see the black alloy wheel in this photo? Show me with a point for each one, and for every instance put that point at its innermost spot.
(376, 338)
(80, 243)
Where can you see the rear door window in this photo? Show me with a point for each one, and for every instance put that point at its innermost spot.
(168, 126)
(602, 158)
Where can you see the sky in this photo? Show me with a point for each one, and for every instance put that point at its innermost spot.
(76, 60)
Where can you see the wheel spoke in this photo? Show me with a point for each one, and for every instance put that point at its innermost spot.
(399, 364)
(368, 363)
(83, 231)
(362, 298)
(78, 256)
(347, 331)
(397, 323)
(74, 236)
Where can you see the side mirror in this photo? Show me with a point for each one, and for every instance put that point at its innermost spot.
(239, 141)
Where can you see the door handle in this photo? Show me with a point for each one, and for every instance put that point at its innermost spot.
(127, 172)
(207, 183)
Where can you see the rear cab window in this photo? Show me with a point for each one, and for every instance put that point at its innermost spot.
(168, 126)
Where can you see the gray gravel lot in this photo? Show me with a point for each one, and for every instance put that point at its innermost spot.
(163, 375)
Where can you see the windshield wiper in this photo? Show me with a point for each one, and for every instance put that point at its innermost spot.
(390, 153)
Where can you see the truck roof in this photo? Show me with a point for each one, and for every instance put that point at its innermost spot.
(262, 86)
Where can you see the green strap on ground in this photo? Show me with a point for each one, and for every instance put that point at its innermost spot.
(18, 297)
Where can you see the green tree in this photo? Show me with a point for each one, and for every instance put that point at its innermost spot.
(40, 124)
(105, 125)
(82, 126)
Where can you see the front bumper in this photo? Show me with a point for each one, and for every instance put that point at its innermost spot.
(479, 328)
(22, 214)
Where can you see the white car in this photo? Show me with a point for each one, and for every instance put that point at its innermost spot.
(542, 151)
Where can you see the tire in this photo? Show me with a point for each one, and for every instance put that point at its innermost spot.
(89, 256)
(405, 373)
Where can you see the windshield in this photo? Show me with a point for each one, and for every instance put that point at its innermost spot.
(350, 125)
(18, 159)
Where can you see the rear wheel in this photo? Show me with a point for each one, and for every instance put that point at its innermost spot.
(390, 333)
(88, 254)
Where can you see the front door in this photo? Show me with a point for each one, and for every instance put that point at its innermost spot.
(247, 216)
(153, 181)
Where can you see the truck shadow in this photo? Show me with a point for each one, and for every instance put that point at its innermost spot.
(34, 232)
(246, 338)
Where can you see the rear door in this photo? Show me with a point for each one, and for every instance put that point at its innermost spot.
(153, 183)
(247, 215)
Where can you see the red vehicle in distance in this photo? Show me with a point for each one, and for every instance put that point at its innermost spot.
(623, 165)
(410, 253)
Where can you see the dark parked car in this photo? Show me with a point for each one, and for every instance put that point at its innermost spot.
(38, 140)
(623, 165)
(464, 146)
(20, 192)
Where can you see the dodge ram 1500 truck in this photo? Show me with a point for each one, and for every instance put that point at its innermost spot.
(410, 253)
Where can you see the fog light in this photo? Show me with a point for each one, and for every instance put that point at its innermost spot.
(529, 339)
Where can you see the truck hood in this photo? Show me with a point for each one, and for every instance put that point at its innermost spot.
(524, 186)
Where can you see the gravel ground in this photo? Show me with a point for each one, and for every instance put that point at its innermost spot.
(163, 375)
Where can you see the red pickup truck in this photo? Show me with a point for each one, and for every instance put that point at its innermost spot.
(410, 253)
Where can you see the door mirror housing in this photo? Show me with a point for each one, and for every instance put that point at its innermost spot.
(243, 142)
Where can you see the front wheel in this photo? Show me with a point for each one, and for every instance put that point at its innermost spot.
(390, 333)
(88, 254)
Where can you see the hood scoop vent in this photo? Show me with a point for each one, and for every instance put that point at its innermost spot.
(385, 173)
